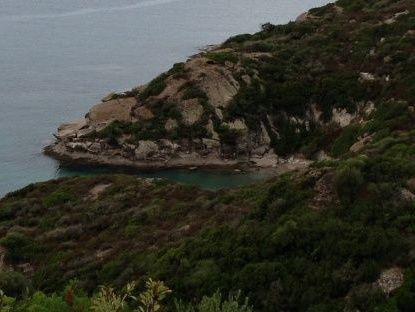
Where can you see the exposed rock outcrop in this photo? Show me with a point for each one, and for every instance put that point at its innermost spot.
(204, 109)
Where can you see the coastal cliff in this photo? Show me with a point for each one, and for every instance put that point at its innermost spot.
(286, 94)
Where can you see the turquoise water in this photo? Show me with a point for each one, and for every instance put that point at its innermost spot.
(57, 58)
(209, 179)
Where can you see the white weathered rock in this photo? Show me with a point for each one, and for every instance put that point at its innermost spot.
(264, 138)
(369, 108)
(191, 111)
(216, 81)
(164, 143)
(146, 149)
(247, 79)
(367, 77)
(211, 130)
(237, 124)
(171, 124)
(260, 151)
(78, 146)
(85, 132)
(342, 117)
(302, 17)
(390, 280)
(322, 155)
(411, 184)
(97, 190)
(395, 17)
(70, 129)
(219, 113)
(113, 96)
(361, 143)
(143, 113)
(406, 195)
(209, 143)
(105, 113)
(95, 148)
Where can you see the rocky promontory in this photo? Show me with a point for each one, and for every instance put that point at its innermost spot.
(288, 94)
(178, 124)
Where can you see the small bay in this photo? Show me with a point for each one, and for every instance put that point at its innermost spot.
(58, 58)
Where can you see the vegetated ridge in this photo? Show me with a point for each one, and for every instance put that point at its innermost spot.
(336, 236)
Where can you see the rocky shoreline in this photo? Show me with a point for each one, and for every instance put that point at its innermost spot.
(188, 117)
(190, 161)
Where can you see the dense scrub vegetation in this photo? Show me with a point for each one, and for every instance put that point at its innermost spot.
(343, 57)
(318, 239)
(276, 242)
(320, 62)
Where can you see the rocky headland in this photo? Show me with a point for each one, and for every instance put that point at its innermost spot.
(194, 115)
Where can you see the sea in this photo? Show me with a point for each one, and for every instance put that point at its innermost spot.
(60, 57)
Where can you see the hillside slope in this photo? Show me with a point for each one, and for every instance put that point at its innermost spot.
(336, 236)
(290, 90)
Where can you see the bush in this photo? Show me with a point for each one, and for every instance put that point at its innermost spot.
(19, 247)
(155, 87)
(348, 181)
(239, 38)
(58, 198)
(215, 303)
(346, 139)
(222, 57)
(178, 71)
(13, 284)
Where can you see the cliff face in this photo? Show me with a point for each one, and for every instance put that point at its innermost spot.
(301, 90)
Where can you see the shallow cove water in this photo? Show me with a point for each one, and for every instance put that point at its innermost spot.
(58, 58)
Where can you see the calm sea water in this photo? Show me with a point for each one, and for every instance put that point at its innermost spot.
(57, 58)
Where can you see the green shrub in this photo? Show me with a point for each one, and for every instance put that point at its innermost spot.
(194, 92)
(14, 284)
(239, 38)
(58, 198)
(178, 71)
(348, 181)
(227, 135)
(155, 87)
(346, 139)
(222, 57)
(19, 246)
(215, 303)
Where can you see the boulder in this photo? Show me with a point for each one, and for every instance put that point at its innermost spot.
(146, 149)
(342, 117)
(191, 111)
(237, 124)
(167, 144)
(216, 81)
(369, 108)
(85, 132)
(78, 146)
(211, 130)
(143, 113)
(106, 112)
(302, 18)
(260, 151)
(406, 195)
(411, 184)
(70, 129)
(95, 148)
(171, 124)
(360, 144)
(209, 143)
(390, 280)
(367, 77)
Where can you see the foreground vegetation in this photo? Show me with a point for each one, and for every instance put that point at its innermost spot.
(318, 239)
